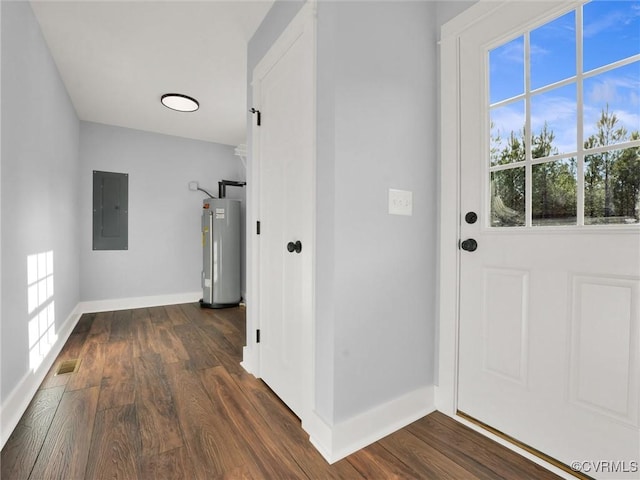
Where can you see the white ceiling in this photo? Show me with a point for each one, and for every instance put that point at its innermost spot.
(117, 58)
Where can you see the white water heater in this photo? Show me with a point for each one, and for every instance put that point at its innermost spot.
(221, 281)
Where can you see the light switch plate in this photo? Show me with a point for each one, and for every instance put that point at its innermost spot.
(400, 202)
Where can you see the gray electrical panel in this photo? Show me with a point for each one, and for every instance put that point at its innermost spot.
(221, 284)
(110, 211)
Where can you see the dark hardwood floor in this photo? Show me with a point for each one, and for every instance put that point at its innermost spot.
(159, 394)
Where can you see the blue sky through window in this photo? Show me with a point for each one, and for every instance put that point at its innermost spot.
(506, 70)
(611, 32)
(553, 51)
(556, 108)
(619, 89)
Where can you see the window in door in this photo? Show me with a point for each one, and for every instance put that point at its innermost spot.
(564, 116)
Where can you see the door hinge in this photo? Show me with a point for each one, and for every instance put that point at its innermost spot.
(258, 336)
(253, 110)
(258, 227)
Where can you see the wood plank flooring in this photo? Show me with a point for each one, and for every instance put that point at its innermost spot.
(159, 394)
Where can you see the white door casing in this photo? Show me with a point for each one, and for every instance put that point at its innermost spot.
(284, 173)
(526, 349)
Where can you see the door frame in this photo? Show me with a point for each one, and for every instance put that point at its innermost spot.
(448, 312)
(304, 20)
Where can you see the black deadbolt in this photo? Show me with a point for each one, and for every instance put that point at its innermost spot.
(471, 217)
(294, 247)
(470, 245)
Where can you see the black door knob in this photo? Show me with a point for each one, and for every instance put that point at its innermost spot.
(470, 245)
(294, 247)
(471, 217)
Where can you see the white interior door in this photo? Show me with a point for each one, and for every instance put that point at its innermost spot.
(549, 314)
(284, 92)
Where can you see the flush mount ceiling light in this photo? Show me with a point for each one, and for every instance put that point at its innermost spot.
(179, 102)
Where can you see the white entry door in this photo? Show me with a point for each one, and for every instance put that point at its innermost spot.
(550, 253)
(284, 152)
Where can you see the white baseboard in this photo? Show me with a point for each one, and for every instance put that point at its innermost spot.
(248, 362)
(109, 305)
(18, 400)
(320, 435)
(345, 438)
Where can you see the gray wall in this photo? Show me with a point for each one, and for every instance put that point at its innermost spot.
(376, 129)
(447, 9)
(376, 271)
(164, 255)
(40, 173)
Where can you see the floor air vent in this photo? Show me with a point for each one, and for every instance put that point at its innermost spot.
(68, 366)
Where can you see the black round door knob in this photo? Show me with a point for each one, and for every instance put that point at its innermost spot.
(470, 245)
(471, 217)
(294, 246)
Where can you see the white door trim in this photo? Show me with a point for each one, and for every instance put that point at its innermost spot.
(304, 20)
(446, 393)
(449, 254)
